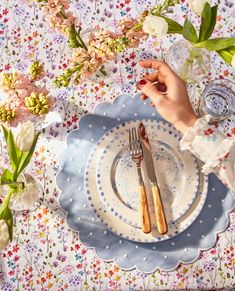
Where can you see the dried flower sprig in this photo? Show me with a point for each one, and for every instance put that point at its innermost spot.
(21, 97)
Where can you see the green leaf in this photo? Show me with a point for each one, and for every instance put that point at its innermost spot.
(205, 21)
(6, 132)
(173, 26)
(231, 49)
(216, 44)
(12, 150)
(26, 157)
(189, 31)
(6, 177)
(227, 54)
(73, 42)
(212, 23)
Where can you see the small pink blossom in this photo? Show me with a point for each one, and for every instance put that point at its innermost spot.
(127, 24)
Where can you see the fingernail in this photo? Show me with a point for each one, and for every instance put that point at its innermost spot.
(142, 82)
(143, 97)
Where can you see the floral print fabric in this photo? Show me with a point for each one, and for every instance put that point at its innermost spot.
(46, 254)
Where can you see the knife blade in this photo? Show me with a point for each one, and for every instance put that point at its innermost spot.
(148, 159)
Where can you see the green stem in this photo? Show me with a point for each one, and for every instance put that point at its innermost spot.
(82, 43)
(15, 174)
(137, 26)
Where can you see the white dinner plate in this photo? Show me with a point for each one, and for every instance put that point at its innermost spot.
(177, 173)
(97, 190)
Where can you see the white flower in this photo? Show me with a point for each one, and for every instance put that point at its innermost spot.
(155, 25)
(4, 234)
(197, 5)
(233, 61)
(24, 136)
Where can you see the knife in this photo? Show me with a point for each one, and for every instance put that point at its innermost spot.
(148, 159)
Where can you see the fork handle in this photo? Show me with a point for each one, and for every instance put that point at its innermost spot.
(159, 210)
(144, 210)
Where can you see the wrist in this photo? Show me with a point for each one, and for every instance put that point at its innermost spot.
(183, 125)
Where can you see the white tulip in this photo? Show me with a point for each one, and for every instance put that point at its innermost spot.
(4, 234)
(24, 136)
(155, 25)
(197, 5)
(233, 61)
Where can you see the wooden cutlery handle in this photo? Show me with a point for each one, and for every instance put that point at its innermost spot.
(144, 210)
(159, 211)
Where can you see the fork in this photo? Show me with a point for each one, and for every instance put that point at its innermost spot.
(137, 156)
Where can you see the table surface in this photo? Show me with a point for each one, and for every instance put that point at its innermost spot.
(45, 254)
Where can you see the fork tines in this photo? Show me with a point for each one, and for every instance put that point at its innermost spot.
(134, 141)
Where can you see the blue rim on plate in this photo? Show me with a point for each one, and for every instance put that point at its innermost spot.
(128, 227)
(166, 255)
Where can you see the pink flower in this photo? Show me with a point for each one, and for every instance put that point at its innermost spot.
(127, 24)
(15, 88)
(57, 17)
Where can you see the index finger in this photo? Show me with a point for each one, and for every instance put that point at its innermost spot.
(161, 66)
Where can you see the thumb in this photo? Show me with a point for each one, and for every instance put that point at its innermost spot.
(150, 90)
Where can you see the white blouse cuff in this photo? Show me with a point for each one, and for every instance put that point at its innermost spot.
(219, 156)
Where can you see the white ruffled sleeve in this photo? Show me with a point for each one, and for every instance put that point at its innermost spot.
(216, 151)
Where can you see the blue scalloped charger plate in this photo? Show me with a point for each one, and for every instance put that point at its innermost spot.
(81, 216)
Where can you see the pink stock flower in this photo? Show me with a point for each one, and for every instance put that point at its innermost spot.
(15, 88)
(57, 16)
(126, 24)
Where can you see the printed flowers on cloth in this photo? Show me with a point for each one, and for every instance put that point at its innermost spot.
(155, 25)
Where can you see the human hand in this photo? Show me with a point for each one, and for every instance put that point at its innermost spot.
(169, 94)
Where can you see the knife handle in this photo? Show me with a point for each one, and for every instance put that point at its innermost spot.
(159, 211)
(144, 210)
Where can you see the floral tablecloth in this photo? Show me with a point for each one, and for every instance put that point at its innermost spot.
(45, 253)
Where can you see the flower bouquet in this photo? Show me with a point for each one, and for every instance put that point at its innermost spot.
(15, 187)
(21, 99)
